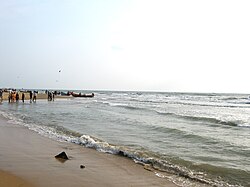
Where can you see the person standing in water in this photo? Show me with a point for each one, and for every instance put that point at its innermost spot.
(17, 97)
(23, 97)
(30, 96)
(1, 95)
(34, 96)
(9, 97)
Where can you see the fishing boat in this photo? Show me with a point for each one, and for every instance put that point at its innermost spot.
(82, 95)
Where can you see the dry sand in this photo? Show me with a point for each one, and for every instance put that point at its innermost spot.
(30, 156)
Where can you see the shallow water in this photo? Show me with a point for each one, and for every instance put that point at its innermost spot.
(201, 139)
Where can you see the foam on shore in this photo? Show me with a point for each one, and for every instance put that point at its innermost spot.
(31, 157)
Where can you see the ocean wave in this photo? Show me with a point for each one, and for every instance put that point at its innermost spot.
(238, 104)
(204, 119)
(246, 125)
(130, 107)
(211, 104)
(235, 123)
(139, 156)
(124, 105)
(147, 160)
(231, 98)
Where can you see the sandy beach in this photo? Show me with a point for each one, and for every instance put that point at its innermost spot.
(29, 158)
(10, 180)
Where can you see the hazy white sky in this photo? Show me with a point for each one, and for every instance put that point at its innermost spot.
(150, 45)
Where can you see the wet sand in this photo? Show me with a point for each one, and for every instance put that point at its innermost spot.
(9, 180)
(30, 157)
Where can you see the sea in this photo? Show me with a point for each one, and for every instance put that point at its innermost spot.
(191, 139)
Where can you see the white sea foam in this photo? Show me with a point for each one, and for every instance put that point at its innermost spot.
(247, 125)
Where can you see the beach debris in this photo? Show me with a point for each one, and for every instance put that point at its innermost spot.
(82, 166)
(148, 167)
(62, 155)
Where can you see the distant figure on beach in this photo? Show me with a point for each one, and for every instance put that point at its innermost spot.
(1, 95)
(30, 96)
(17, 96)
(23, 97)
(13, 96)
(34, 97)
(53, 96)
(9, 97)
(49, 96)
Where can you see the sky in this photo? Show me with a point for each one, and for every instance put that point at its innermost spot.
(126, 45)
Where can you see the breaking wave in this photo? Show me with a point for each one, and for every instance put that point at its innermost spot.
(150, 161)
(206, 119)
(236, 123)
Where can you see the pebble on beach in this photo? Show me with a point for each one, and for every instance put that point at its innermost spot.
(82, 166)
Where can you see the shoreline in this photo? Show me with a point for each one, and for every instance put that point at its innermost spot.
(30, 156)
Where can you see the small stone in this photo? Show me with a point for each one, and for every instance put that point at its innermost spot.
(62, 155)
(82, 166)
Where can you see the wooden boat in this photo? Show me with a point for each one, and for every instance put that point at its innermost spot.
(65, 94)
(82, 95)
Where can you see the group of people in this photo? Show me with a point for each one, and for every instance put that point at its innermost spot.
(33, 96)
(17, 95)
(14, 96)
(51, 95)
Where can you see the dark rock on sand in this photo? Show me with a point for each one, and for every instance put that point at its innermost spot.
(62, 155)
(82, 166)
